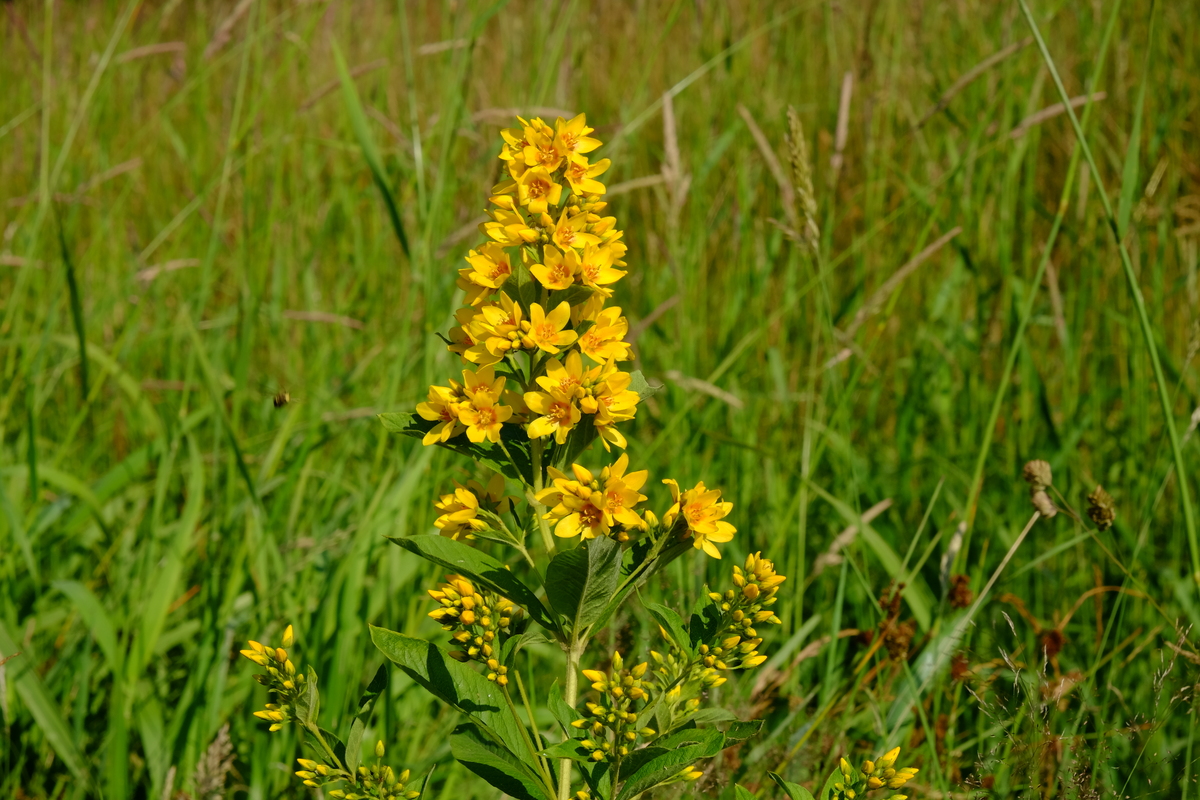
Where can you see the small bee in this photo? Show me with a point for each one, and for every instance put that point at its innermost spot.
(282, 398)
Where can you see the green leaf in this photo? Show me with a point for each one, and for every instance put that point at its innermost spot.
(480, 567)
(664, 766)
(794, 791)
(450, 681)
(486, 453)
(706, 619)
(496, 764)
(310, 708)
(742, 793)
(362, 716)
(827, 791)
(578, 440)
(572, 295)
(513, 644)
(580, 583)
(571, 748)
(559, 708)
(358, 121)
(639, 384)
(739, 732)
(711, 715)
(671, 622)
(98, 622)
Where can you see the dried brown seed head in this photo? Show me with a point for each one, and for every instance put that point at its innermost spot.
(1038, 475)
(1101, 508)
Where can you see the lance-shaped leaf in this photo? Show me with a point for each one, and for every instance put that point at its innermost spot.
(450, 681)
(664, 766)
(479, 567)
(485, 452)
(362, 716)
(672, 623)
(496, 764)
(580, 583)
(794, 791)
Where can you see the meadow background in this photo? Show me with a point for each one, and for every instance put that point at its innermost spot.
(184, 198)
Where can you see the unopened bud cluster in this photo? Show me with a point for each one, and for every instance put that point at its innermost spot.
(611, 723)
(282, 678)
(879, 774)
(477, 619)
(745, 606)
(378, 782)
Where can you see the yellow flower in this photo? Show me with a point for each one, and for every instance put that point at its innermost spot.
(578, 505)
(582, 175)
(442, 406)
(558, 270)
(482, 413)
(596, 268)
(605, 340)
(538, 190)
(460, 335)
(547, 331)
(621, 492)
(513, 151)
(563, 378)
(496, 330)
(459, 513)
(508, 228)
(490, 267)
(573, 135)
(703, 515)
(558, 415)
(571, 231)
(543, 149)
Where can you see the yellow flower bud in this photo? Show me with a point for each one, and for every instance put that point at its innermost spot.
(379, 749)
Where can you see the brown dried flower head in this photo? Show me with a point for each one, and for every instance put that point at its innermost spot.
(1101, 508)
(1037, 474)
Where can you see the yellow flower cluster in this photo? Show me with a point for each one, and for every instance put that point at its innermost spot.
(460, 509)
(477, 619)
(590, 506)
(744, 607)
(282, 678)
(378, 782)
(610, 723)
(537, 288)
(873, 775)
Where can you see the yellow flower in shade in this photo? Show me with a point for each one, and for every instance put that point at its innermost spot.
(547, 331)
(490, 267)
(460, 335)
(605, 340)
(573, 135)
(496, 330)
(513, 151)
(482, 413)
(571, 231)
(563, 378)
(459, 515)
(543, 149)
(703, 514)
(577, 504)
(460, 508)
(538, 190)
(508, 228)
(442, 406)
(582, 175)
(558, 270)
(596, 268)
(558, 415)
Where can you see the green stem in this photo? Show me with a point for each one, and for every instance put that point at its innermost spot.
(331, 757)
(529, 710)
(512, 709)
(1139, 303)
(571, 696)
(534, 503)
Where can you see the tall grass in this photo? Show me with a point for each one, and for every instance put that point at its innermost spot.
(190, 225)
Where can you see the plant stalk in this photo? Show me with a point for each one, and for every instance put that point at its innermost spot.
(571, 696)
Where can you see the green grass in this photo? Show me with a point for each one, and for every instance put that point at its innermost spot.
(209, 227)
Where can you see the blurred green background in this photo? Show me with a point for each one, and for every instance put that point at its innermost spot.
(182, 191)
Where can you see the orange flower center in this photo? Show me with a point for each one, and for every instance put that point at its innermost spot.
(538, 188)
(591, 516)
(560, 413)
(546, 332)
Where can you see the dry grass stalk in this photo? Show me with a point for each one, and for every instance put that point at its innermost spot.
(876, 300)
(323, 316)
(677, 181)
(970, 75)
(150, 50)
(843, 128)
(225, 30)
(1050, 112)
(331, 86)
(804, 195)
(768, 154)
(214, 765)
(833, 556)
